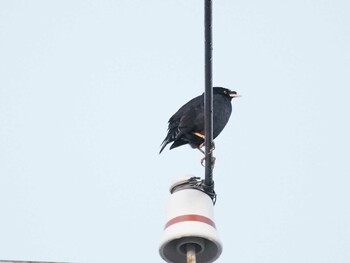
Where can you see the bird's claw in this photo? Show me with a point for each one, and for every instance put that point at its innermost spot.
(213, 159)
(200, 148)
(211, 149)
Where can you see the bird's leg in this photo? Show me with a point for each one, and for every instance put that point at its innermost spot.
(200, 149)
(203, 143)
(210, 152)
(211, 149)
(213, 159)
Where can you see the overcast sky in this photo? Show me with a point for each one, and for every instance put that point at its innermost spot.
(87, 88)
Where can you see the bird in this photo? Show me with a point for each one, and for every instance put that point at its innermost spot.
(186, 126)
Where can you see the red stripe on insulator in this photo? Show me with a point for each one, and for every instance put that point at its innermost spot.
(195, 218)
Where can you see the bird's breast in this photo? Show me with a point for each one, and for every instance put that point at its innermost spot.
(222, 109)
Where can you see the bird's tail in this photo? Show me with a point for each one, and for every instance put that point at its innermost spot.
(170, 137)
(164, 143)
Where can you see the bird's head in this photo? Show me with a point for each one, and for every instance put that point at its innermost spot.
(226, 92)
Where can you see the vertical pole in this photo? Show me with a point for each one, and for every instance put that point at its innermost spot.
(191, 253)
(208, 97)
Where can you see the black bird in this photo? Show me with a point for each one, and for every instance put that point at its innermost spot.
(186, 126)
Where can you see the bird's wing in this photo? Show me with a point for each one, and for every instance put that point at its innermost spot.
(185, 120)
(192, 120)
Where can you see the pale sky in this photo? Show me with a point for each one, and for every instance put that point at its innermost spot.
(87, 88)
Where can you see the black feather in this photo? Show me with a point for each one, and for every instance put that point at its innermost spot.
(189, 119)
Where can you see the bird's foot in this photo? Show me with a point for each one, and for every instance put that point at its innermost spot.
(200, 149)
(203, 143)
(213, 159)
(211, 149)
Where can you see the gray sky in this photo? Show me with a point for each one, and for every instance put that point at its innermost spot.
(87, 88)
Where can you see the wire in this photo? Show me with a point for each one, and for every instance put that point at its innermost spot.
(208, 98)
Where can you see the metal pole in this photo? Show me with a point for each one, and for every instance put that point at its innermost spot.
(208, 98)
(191, 253)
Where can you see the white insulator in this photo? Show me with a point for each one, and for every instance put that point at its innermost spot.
(189, 220)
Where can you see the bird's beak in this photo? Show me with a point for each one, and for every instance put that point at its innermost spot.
(235, 95)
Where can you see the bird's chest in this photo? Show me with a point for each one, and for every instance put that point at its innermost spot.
(221, 114)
